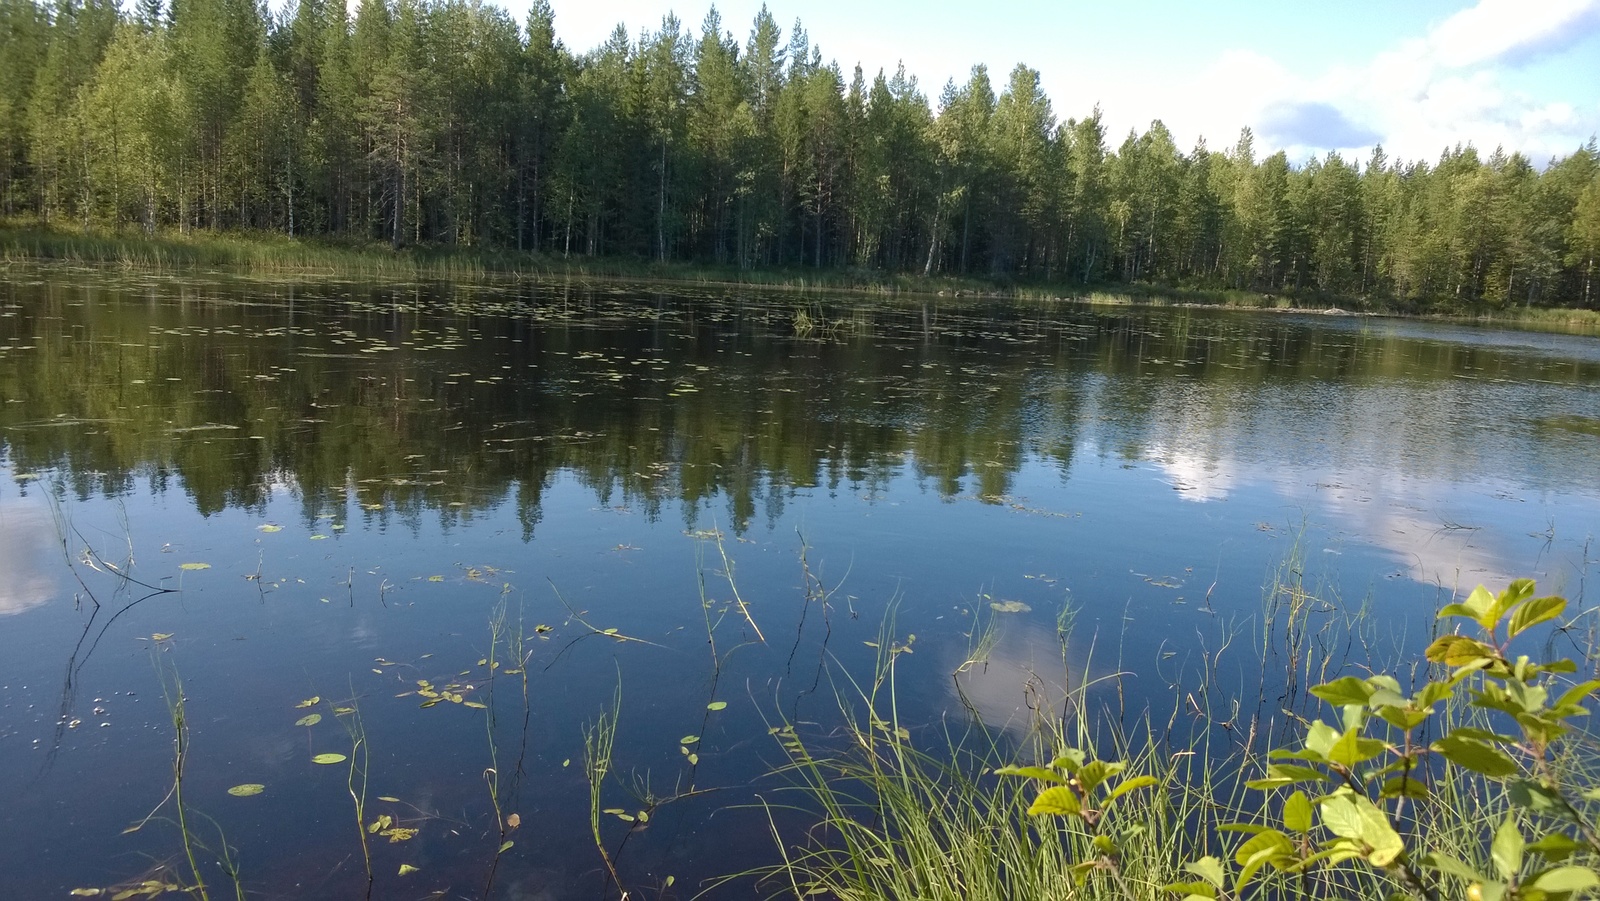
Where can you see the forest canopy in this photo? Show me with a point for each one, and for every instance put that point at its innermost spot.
(447, 122)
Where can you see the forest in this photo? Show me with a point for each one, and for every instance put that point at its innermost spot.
(448, 123)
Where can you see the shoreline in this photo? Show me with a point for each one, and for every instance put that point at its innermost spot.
(273, 254)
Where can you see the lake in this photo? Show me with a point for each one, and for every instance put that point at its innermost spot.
(459, 536)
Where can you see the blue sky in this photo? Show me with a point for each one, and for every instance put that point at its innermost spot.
(1415, 75)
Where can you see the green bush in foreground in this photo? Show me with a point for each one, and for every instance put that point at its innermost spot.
(1365, 769)
(1473, 786)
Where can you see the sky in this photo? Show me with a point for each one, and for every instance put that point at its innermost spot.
(1417, 76)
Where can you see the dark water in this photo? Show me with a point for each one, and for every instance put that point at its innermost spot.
(373, 475)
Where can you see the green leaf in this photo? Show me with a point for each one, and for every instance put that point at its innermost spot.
(1476, 756)
(1297, 813)
(1281, 774)
(1031, 772)
(1344, 691)
(1556, 847)
(247, 789)
(717, 705)
(1353, 748)
(1404, 786)
(194, 566)
(1577, 693)
(1535, 612)
(1444, 863)
(1565, 879)
(1320, 738)
(1132, 783)
(505, 846)
(1266, 839)
(1459, 650)
(1208, 868)
(1531, 795)
(310, 719)
(329, 758)
(1506, 849)
(1191, 889)
(1095, 772)
(1353, 816)
(1070, 760)
(407, 869)
(688, 739)
(1058, 800)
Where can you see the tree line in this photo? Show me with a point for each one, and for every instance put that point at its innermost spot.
(447, 122)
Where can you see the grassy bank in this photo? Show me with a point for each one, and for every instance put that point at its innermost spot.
(264, 253)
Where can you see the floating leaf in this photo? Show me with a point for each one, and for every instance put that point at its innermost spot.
(329, 758)
(397, 834)
(310, 702)
(269, 527)
(513, 821)
(505, 846)
(86, 892)
(247, 789)
(309, 720)
(383, 822)
(160, 636)
(1009, 607)
(717, 705)
(475, 704)
(688, 739)
(391, 800)
(194, 566)
(694, 759)
(407, 869)
(436, 578)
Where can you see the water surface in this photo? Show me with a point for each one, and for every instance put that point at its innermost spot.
(372, 475)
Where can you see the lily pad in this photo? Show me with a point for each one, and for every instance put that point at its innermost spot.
(247, 789)
(1009, 607)
(309, 720)
(329, 758)
(717, 705)
(194, 566)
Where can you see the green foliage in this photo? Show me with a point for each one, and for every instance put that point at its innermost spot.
(442, 122)
(1355, 792)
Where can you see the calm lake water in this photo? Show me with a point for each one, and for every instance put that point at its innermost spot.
(346, 486)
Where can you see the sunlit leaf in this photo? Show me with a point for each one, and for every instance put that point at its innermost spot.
(407, 869)
(329, 758)
(310, 702)
(505, 846)
(1009, 607)
(247, 789)
(1058, 800)
(717, 705)
(391, 800)
(1534, 612)
(160, 636)
(688, 739)
(513, 821)
(194, 566)
(694, 759)
(310, 719)
(269, 527)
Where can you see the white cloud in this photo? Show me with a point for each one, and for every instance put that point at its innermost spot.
(1508, 30)
(1421, 96)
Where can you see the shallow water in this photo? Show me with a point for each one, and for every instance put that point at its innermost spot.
(369, 472)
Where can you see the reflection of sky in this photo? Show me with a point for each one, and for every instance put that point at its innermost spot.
(25, 551)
